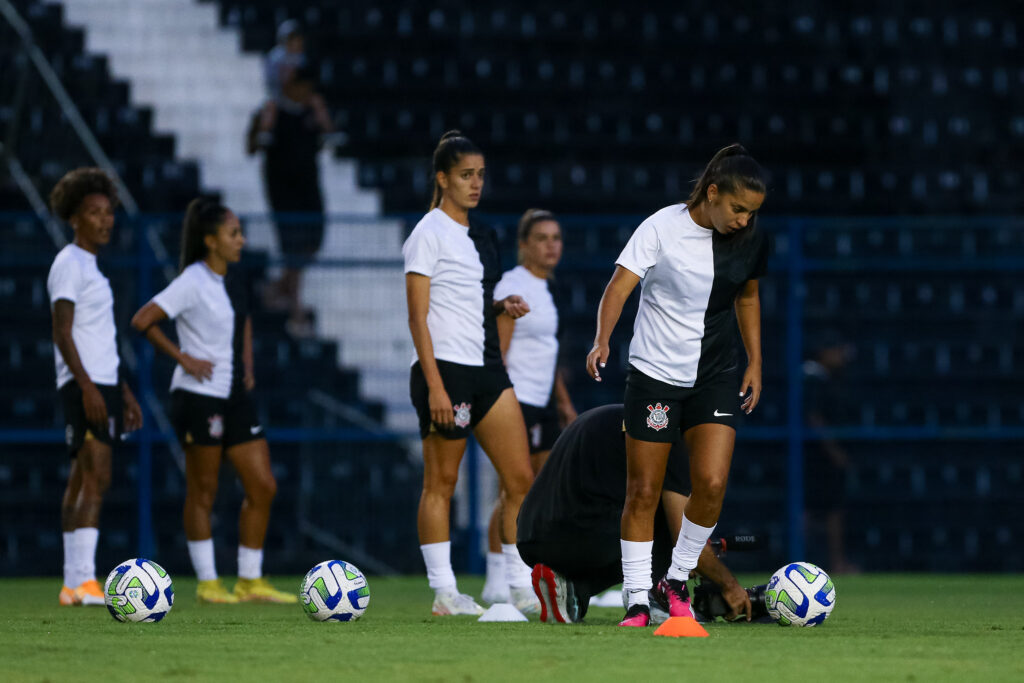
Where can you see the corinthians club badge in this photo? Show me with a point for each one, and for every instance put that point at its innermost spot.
(658, 419)
(462, 414)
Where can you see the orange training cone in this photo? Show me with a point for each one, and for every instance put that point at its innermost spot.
(681, 627)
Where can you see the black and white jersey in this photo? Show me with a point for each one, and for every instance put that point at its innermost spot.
(685, 330)
(463, 266)
(209, 313)
(75, 277)
(532, 354)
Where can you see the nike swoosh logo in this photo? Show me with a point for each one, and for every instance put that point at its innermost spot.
(255, 430)
(718, 414)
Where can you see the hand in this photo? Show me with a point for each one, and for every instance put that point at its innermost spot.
(249, 380)
(94, 405)
(515, 306)
(441, 412)
(738, 600)
(132, 411)
(751, 383)
(566, 415)
(596, 359)
(200, 369)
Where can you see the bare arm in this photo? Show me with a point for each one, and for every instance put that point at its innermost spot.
(615, 294)
(92, 401)
(249, 377)
(417, 295)
(748, 316)
(146, 320)
(132, 411)
(506, 326)
(323, 118)
(563, 403)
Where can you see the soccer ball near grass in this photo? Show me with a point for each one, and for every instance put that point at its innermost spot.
(138, 590)
(800, 594)
(334, 591)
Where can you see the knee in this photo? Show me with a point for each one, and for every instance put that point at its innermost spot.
(516, 485)
(202, 492)
(95, 482)
(441, 485)
(263, 490)
(710, 489)
(642, 496)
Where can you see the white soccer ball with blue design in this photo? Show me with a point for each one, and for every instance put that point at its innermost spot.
(800, 594)
(334, 591)
(138, 590)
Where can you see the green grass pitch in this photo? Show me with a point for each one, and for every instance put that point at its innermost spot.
(885, 628)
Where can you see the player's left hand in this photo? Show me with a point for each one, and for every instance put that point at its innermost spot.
(132, 411)
(750, 388)
(515, 306)
(738, 600)
(249, 380)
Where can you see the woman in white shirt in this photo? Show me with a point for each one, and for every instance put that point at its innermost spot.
(213, 413)
(530, 348)
(699, 263)
(458, 384)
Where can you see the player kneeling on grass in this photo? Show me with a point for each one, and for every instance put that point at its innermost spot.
(213, 412)
(569, 525)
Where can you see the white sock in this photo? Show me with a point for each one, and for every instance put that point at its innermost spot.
(438, 558)
(201, 553)
(71, 560)
(636, 570)
(496, 569)
(250, 562)
(691, 541)
(518, 573)
(85, 540)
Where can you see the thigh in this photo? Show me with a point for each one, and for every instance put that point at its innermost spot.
(202, 466)
(652, 410)
(715, 402)
(502, 435)
(94, 458)
(646, 462)
(710, 447)
(251, 461)
(241, 423)
(198, 419)
(460, 384)
(441, 458)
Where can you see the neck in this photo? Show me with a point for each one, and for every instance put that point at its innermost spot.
(456, 213)
(216, 264)
(537, 270)
(88, 246)
(699, 215)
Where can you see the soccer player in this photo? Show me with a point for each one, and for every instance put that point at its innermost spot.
(97, 402)
(699, 262)
(458, 384)
(569, 523)
(212, 411)
(529, 346)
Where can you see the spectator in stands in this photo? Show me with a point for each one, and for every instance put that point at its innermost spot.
(285, 58)
(530, 349)
(699, 262)
(458, 383)
(826, 461)
(96, 400)
(213, 413)
(290, 132)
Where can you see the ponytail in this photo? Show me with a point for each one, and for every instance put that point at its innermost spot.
(731, 169)
(452, 146)
(203, 217)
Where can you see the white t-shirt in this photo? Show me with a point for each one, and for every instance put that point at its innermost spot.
(205, 321)
(532, 354)
(75, 277)
(442, 249)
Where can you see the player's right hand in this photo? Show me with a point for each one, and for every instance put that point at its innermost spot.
(94, 405)
(738, 600)
(596, 360)
(202, 370)
(441, 412)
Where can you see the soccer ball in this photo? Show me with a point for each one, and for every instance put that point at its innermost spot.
(138, 590)
(334, 591)
(800, 594)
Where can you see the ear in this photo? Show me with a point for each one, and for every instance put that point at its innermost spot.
(442, 179)
(210, 241)
(712, 192)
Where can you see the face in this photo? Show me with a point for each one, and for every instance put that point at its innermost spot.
(298, 91)
(543, 245)
(229, 240)
(732, 211)
(464, 182)
(94, 221)
(295, 44)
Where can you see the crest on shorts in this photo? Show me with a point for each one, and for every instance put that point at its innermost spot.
(658, 418)
(462, 414)
(216, 426)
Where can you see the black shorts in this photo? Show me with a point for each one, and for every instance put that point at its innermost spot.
(660, 412)
(473, 389)
(542, 428)
(211, 421)
(76, 427)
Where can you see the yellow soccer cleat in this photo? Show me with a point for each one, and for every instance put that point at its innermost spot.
(68, 597)
(214, 593)
(260, 590)
(90, 593)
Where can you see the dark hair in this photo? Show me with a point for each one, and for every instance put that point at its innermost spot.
(203, 217)
(69, 192)
(730, 169)
(452, 147)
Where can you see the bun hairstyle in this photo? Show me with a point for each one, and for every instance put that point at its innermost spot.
(69, 192)
(452, 146)
(203, 217)
(529, 219)
(731, 169)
